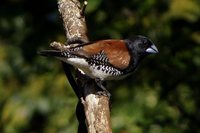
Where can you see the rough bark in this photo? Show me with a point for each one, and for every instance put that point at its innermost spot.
(96, 107)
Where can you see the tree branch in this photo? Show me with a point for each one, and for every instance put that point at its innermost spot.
(96, 108)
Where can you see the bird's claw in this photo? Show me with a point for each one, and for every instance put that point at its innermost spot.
(104, 93)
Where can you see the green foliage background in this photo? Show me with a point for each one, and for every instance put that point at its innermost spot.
(163, 96)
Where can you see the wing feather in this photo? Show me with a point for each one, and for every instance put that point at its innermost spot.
(115, 50)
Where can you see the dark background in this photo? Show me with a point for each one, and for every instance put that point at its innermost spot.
(163, 96)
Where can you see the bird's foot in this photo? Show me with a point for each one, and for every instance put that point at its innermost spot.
(104, 91)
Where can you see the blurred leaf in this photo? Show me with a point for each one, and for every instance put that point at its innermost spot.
(186, 9)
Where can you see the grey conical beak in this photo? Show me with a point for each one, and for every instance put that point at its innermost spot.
(152, 49)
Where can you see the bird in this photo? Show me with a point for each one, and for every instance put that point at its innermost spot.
(103, 60)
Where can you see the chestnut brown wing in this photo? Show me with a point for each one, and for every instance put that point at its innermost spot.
(116, 51)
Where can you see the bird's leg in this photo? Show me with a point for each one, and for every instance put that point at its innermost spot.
(99, 82)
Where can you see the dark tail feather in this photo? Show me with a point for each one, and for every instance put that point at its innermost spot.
(51, 53)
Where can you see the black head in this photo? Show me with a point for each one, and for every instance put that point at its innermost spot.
(141, 45)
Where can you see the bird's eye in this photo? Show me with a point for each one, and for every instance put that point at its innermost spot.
(146, 44)
(143, 44)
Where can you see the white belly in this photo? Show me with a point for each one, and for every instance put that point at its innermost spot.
(91, 71)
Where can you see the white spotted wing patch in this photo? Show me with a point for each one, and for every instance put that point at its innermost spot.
(100, 64)
(98, 59)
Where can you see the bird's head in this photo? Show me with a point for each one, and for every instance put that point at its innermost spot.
(141, 45)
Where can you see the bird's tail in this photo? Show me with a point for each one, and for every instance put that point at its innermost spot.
(54, 53)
